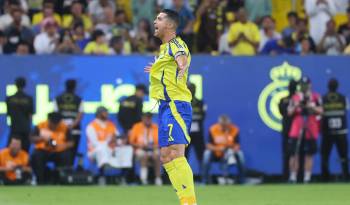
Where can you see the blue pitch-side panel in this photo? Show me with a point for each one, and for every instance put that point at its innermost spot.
(230, 85)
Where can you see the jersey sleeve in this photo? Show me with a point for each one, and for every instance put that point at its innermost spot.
(177, 49)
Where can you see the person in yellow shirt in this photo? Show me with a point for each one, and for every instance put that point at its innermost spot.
(243, 36)
(14, 163)
(168, 85)
(97, 45)
(76, 16)
(144, 139)
(47, 11)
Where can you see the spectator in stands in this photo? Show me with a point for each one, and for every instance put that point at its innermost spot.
(14, 163)
(224, 47)
(130, 109)
(267, 31)
(122, 28)
(285, 45)
(223, 146)
(143, 9)
(23, 48)
(331, 43)
(48, 11)
(305, 108)
(77, 15)
(141, 36)
(107, 23)
(293, 22)
(319, 12)
(7, 18)
(97, 9)
(97, 45)
(305, 47)
(20, 109)
(185, 27)
(257, 9)
(16, 32)
(67, 44)
(52, 143)
(211, 27)
(2, 41)
(144, 139)
(243, 36)
(65, 6)
(47, 40)
(302, 32)
(80, 36)
(117, 46)
(103, 143)
(70, 105)
(344, 29)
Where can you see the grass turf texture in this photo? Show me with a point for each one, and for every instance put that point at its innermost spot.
(320, 194)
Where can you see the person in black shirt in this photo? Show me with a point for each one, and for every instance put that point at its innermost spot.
(20, 109)
(286, 123)
(16, 32)
(334, 129)
(70, 106)
(130, 109)
(197, 128)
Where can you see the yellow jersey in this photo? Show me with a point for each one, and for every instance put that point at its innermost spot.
(251, 31)
(164, 82)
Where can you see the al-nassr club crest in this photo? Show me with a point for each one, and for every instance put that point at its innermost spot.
(271, 95)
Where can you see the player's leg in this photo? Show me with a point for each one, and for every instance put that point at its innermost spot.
(179, 172)
(326, 147)
(342, 147)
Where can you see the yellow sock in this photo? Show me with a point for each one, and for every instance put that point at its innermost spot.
(181, 177)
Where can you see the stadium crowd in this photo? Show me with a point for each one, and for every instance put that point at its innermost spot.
(123, 27)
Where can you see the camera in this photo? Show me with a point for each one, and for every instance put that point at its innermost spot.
(52, 143)
(303, 104)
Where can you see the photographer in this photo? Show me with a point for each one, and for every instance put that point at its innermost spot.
(305, 109)
(14, 163)
(52, 143)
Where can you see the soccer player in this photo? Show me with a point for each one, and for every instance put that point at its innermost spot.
(168, 84)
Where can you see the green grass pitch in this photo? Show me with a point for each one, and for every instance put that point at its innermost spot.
(319, 194)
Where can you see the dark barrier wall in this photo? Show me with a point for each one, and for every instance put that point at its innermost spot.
(247, 88)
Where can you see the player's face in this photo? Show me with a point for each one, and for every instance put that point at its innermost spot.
(160, 24)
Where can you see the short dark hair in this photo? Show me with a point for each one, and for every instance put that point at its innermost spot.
(333, 85)
(96, 34)
(55, 117)
(20, 82)
(147, 114)
(348, 10)
(292, 14)
(172, 15)
(142, 87)
(71, 84)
